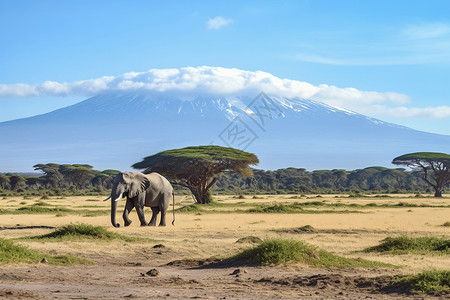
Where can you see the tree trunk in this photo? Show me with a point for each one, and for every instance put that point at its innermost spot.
(200, 198)
(200, 191)
(438, 193)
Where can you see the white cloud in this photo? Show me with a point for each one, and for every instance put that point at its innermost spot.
(216, 81)
(218, 22)
(426, 31)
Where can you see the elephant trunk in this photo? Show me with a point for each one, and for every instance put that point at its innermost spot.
(116, 194)
(113, 212)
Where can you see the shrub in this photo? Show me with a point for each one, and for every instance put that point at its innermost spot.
(193, 208)
(275, 208)
(12, 253)
(85, 231)
(428, 281)
(419, 245)
(283, 251)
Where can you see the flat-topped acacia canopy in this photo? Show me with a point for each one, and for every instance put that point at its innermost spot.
(432, 156)
(435, 165)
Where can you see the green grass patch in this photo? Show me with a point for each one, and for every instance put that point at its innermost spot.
(429, 281)
(13, 253)
(94, 213)
(308, 207)
(296, 208)
(193, 208)
(273, 208)
(415, 245)
(446, 224)
(286, 251)
(43, 209)
(85, 231)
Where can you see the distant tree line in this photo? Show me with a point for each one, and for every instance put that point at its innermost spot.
(83, 179)
(60, 179)
(298, 180)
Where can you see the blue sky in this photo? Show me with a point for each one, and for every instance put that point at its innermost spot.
(396, 54)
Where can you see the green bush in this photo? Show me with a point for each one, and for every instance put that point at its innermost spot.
(193, 208)
(418, 245)
(429, 281)
(274, 208)
(285, 251)
(85, 231)
(12, 253)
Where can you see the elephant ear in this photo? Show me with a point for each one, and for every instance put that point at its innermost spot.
(137, 183)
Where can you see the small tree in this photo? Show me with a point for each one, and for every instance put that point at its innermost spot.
(196, 167)
(16, 182)
(53, 177)
(435, 167)
(77, 174)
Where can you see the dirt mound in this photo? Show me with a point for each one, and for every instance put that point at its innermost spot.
(303, 229)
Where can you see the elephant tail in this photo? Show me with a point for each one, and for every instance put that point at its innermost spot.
(173, 206)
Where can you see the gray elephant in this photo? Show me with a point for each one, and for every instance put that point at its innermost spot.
(152, 190)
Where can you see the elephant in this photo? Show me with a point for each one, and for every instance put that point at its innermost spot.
(152, 190)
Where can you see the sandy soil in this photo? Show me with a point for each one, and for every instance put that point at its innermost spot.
(145, 270)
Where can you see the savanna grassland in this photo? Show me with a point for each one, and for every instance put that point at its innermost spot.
(239, 247)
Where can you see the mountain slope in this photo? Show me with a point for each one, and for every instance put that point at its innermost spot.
(115, 130)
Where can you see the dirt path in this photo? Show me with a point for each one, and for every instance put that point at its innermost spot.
(183, 282)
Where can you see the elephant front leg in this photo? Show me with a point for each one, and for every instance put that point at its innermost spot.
(140, 212)
(155, 211)
(128, 208)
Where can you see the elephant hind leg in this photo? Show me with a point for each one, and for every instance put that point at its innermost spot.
(164, 205)
(155, 212)
(163, 218)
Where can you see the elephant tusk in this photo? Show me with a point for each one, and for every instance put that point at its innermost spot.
(118, 198)
(107, 199)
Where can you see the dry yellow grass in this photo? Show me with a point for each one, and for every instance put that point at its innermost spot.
(204, 235)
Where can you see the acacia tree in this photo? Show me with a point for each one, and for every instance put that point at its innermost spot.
(196, 167)
(53, 176)
(77, 174)
(435, 168)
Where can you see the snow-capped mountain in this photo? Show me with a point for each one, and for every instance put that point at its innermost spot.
(115, 130)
